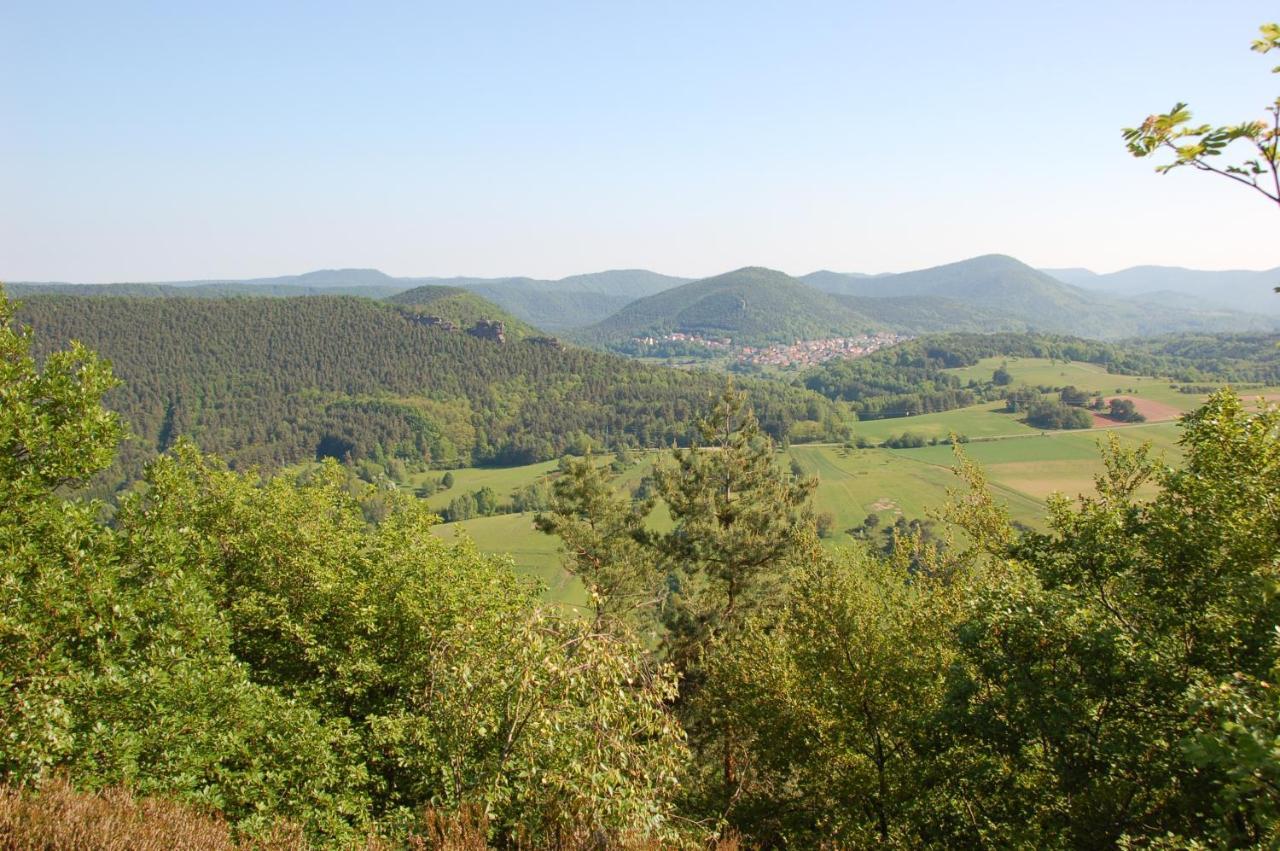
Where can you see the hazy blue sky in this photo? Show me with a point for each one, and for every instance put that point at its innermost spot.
(185, 140)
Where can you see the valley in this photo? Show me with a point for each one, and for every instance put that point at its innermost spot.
(1025, 465)
(640, 427)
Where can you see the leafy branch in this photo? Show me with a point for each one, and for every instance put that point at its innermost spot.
(1198, 145)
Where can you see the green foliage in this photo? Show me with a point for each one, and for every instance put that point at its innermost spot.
(1123, 410)
(1238, 728)
(833, 697)
(275, 382)
(1058, 415)
(912, 378)
(304, 648)
(604, 544)
(115, 664)
(261, 649)
(740, 526)
(1198, 145)
(464, 310)
(1080, 667)
(738, 519)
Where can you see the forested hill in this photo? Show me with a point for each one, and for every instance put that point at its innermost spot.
(1246, 290)
(276, 381)
(748, 305)
(996, 292)
(463, 309)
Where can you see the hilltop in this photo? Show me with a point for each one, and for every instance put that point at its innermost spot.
(749, 305)
(571, 302)
(462, 309)
(1234, 289)
(997, 292)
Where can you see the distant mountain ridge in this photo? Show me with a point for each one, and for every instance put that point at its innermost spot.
(1237, 289)
(551, 304)
(995, 292)
(571, 302)
(987, 293)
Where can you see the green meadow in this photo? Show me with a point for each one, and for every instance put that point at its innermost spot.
(1024, 466)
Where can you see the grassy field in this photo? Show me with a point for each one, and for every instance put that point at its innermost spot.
(502, 479)
(1024, 466)
(1086, 376)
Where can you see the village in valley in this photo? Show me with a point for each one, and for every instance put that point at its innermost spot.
(801, 353)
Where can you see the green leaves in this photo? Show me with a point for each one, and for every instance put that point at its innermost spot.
(1195, 145)
(1081, 671)
(1270, 41)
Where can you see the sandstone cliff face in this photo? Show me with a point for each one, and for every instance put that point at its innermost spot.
(489, 329)
(435, 322)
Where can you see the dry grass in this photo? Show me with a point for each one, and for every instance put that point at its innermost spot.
(56, 817)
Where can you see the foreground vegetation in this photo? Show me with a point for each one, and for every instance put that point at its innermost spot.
(262, 651)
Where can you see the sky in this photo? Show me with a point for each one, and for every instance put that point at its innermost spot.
(166, 141)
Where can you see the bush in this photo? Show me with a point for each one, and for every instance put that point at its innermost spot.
(1056, 415)
(906, 440)
(1124, 410)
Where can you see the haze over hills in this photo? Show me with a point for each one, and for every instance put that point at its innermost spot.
(749, 305)
(206, 289)
(571, 302)
(317, 279)
(996, 292)
(987, 293)
(1237, 289)
(553, 304)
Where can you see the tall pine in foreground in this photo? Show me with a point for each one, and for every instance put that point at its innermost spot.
(741, 524)
(604, 540)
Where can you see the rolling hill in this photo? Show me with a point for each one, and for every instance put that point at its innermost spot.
(369, 282)
(273, 382)
(992, 280)
(570, 302)
(918, 314)
(1234, 289)
(988, 293)
(749, 305)
(996, 292)
(462, 309)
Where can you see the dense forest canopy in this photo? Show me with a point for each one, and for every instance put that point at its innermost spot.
(272, 382)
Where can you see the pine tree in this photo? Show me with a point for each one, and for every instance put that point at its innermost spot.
(604, 538)
(741, 523)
